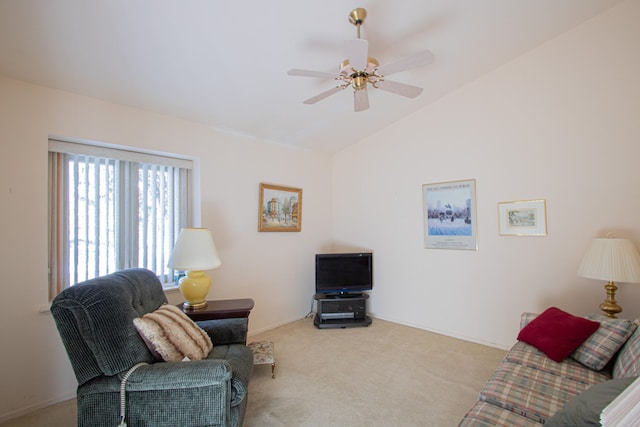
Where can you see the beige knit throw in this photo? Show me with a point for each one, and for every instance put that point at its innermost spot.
(171, 336)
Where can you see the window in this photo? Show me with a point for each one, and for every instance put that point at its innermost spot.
(112, 209)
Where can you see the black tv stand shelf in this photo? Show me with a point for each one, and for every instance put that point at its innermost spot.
(341, 310)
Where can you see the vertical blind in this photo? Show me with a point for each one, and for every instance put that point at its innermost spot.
(112, 209)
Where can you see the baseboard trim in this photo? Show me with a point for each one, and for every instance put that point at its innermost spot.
(274, 326)
(399, 322)
(441, 332)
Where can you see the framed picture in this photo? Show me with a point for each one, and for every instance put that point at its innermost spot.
(523, 218)
(280, 208)
(449, 211)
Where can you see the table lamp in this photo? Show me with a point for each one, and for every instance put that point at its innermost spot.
(194, 252)
(613, 260)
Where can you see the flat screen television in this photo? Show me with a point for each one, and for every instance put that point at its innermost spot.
(344, 273)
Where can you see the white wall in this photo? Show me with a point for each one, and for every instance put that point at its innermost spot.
(275, 269)
(561, 123)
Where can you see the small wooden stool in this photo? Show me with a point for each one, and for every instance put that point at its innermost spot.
(263, 354)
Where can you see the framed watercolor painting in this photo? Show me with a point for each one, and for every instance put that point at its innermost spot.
(522, 218)
(449, 213)
(280, 208)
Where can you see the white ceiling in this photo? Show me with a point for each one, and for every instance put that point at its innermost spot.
(224, 63)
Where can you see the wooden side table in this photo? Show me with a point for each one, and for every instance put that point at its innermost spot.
(221, 309)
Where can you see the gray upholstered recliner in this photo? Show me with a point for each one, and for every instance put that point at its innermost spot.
(95, 321)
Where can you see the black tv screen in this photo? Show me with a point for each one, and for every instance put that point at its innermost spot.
(344, 273)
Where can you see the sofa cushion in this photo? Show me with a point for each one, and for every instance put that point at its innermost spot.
(530, 392)
(602, 345)
(628, 362)
(557, 333)
(171, 335)
(585, 409)
(530, 356)
(484, 414)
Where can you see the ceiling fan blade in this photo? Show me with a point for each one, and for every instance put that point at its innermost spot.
(360, 100)
(399, 88)
(310, 73)
(357, 53)
(323, 95)
(419, 59)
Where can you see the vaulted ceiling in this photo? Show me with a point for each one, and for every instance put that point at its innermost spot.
(224, 63)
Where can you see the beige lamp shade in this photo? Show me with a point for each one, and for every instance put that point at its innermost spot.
(194, 250)
(611, 259)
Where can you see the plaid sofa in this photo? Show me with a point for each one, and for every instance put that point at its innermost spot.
(528, 388)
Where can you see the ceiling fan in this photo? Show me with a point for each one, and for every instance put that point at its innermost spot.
(361, 71)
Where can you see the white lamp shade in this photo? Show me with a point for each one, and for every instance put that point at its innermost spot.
(194, 250)
(611, 259)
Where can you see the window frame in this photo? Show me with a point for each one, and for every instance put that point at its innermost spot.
(120, 153)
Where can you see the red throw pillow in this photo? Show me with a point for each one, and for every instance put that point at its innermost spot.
(557, 333)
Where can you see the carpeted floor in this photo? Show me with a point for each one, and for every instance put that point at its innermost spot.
(383, 375)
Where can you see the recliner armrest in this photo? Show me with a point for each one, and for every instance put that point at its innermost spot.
(177, 375)
(166, 394)
(192, 374)
(174, 375)
(226, 331)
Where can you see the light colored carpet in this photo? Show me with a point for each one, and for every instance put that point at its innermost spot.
(383, 375)
(60, 415)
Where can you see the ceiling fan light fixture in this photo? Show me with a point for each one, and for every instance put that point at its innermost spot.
(359, 80)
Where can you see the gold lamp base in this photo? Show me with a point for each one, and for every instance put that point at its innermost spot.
(610, 305)
(195, 287)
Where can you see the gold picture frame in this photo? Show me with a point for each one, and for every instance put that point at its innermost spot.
(522, 218)
(280, 208)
